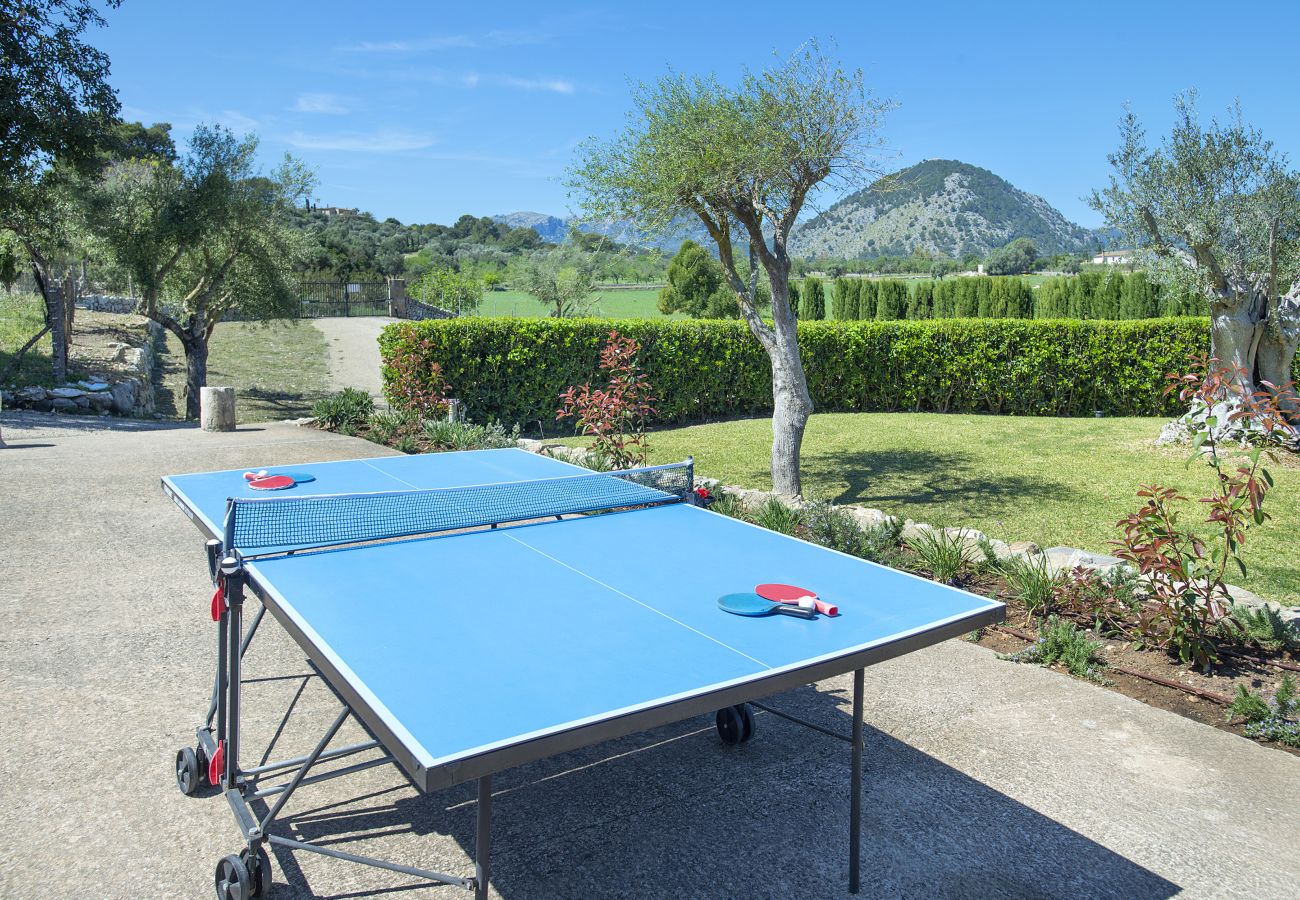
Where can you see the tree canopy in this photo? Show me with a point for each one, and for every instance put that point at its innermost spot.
(202, 238)
(1215, 210)
(742, 160)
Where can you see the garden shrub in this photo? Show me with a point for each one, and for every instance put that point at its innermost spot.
(348, 408)
(513, 370)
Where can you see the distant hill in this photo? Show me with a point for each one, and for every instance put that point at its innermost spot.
(948, 207)
(551, 228)
(554, 228)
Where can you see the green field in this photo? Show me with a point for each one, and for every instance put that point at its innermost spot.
(1053, 481)
(278, 370)
(613, 304)
(22, 316)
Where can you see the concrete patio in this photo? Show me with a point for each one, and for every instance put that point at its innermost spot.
(984, 779)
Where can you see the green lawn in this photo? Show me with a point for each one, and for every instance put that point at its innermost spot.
(21, 316)
(1053, 481)
(278, 370)
(613, 304)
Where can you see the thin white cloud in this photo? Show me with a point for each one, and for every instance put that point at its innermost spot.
(433, 42)
(328, 104)
(382, 141)
(554, 85)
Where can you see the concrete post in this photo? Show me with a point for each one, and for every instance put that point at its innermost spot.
(397, 298)
(217, 408)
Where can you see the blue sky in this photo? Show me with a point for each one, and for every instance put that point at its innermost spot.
(425, 111)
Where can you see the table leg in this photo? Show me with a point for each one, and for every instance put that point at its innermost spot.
(483, 839)
(855, 798)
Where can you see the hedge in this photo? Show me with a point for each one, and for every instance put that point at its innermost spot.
(513, 370)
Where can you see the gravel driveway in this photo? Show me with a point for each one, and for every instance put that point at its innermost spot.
(354, 351)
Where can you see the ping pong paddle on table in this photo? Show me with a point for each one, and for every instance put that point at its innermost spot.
(789, 593)
(754, 605)
(298, 477)
(271, 483)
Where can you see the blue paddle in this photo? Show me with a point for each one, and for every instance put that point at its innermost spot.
(754, 605)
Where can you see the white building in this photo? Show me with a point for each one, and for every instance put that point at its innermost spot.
(1114, 257)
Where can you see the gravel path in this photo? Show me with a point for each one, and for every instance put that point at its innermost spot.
(354, 352)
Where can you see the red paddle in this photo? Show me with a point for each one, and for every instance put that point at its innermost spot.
(788, 593)
(272, 483)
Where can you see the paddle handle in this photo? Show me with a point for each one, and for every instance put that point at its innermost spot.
(826, 609)
(797, 611)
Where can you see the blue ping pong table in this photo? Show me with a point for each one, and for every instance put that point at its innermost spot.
(476, 611)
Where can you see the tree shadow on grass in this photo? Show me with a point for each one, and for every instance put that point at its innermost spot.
(917, 479)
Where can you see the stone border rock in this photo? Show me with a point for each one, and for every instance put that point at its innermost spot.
(1059, 559)
(132, 395)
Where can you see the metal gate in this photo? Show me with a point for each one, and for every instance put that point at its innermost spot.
(321, 299)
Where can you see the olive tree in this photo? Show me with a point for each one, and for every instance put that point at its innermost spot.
(55, 110)
(202, 238)
(1215, 210)
(743, 160)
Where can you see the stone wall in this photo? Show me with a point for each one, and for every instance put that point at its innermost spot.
(130, 394)
(106, 303)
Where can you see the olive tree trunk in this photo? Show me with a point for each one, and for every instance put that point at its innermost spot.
(1275, 358)
(1236, 324)
(791, 407)
(196, 373)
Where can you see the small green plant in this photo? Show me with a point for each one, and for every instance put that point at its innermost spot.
(448, 435)
(349, 408)
(776, 516)
(1262, 626)
(1032, 581)
(727, 505)
(1061, 641)
(880, 543)
(833, 528)
(943, 554)
(387, 427)
(1278, 720)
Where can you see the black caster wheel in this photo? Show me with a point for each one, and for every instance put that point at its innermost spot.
(233, 880)
(259, 870)
(189, 772)
(735, 724)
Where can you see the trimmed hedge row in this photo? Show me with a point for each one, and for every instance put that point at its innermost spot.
(513, 370)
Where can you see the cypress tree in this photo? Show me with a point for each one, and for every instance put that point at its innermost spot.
(891, 300)
(921, 304)
(839, 295)
(794, 299)
(813, 305)
(851, 299)
(867, 299)
(967, 306)
(1110, 296)
(1138, 300)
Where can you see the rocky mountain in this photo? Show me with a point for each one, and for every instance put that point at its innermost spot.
(948, 207)
(554, 228)
(551, 228)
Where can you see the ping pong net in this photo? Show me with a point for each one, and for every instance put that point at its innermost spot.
(279, 524)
